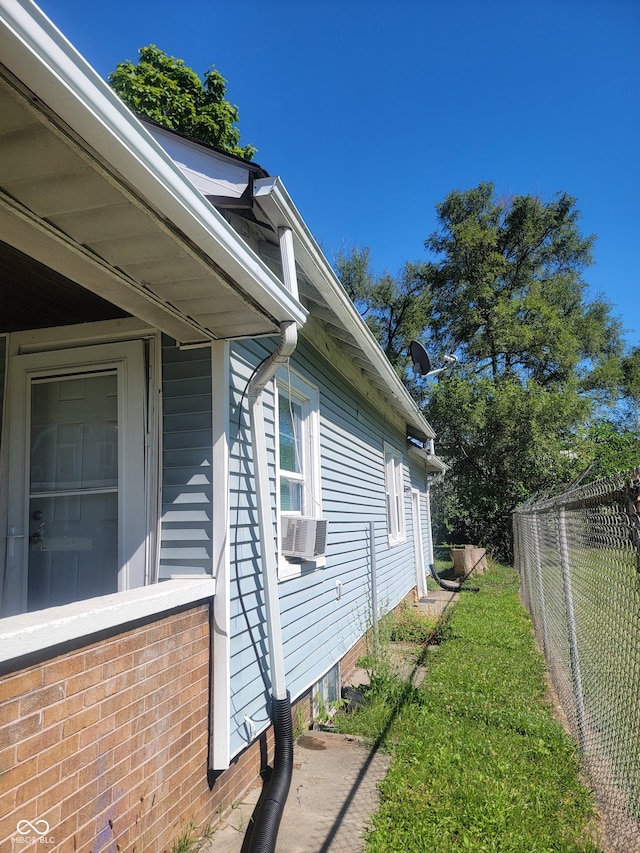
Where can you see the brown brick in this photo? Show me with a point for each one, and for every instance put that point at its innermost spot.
(63, 710)
(58, 752)
(9, 806)
(109, 687)
(16, 732)
(9, 711)
(114, 738)
(7, 829)
(117, 665)
(125, 750)
(72, 764)
(39, 699)
(130, 712)
(8, 759)
(83, 837)
(49, 799)
(42, 740)
(19, 684)
(81, 720)
(36, 784)
(63, 668)
(97, 730)
(81, 798)
(121, 682)
(64, 831)
(83, 680)
(105, 653)
(16, 775)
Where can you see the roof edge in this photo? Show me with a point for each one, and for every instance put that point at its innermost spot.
(39, 55)
(275, 201)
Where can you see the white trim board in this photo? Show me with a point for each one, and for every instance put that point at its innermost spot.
(27, 633)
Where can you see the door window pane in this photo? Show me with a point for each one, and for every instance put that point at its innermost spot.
(74, 433)
(73, 500)
(73, 548)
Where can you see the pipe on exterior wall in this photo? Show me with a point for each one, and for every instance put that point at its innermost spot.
(289, 275)
(265, 373)
(286, 346)
(264, 831)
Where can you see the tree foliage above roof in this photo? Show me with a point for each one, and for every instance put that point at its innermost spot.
(168, 92)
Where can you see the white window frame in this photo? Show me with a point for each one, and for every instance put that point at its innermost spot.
(296, 388)
(394, 492)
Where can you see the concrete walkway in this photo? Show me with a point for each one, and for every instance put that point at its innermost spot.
(333, 793)
(334, 789)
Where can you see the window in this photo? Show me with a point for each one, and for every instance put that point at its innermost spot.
(298, 453)
(292, 447)
(394, 484)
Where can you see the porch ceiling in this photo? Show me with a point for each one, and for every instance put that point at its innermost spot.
(65, 209)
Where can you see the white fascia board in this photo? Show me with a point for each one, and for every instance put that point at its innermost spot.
(40, 630)
(208, 173)
(273, 198)
(37, 53)
(432, 462)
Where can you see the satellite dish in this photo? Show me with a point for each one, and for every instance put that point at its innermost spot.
(420, 359)
(422, 362)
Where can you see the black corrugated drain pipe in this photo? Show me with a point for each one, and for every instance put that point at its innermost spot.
(267, 820)
(452, 587)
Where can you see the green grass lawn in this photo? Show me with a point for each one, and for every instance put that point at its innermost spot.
(479, 763)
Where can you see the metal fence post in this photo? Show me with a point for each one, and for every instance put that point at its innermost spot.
(538, 570)
(571, 625)
(374, 583)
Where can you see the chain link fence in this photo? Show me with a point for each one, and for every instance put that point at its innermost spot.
(578, 555)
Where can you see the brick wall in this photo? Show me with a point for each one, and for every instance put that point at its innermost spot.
(108, 743)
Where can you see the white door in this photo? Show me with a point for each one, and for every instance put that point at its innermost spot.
(76, 475)
(421, 580)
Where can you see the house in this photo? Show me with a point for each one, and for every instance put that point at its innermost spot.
(211, 478)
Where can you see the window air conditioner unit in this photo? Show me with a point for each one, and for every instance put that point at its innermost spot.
(303, 538)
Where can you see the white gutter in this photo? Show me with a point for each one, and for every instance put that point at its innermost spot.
(433, 463)
(37, 53)
(273, 198)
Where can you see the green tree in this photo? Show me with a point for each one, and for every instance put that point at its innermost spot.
(541, 357)
(165, 90)
(504, 289)
(608, 447)
(396, 309)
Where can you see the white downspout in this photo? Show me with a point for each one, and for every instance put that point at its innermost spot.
(286, 346)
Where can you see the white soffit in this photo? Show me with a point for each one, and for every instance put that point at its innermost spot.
(85, 189)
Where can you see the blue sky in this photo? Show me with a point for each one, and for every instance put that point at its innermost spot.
(371, 112)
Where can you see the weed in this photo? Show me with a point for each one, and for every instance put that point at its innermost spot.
(409, 625)
(299, 722)
(192, 840)
(326, 711)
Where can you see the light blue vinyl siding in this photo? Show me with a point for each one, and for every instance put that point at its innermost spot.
(187, 495)
(317, 629)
